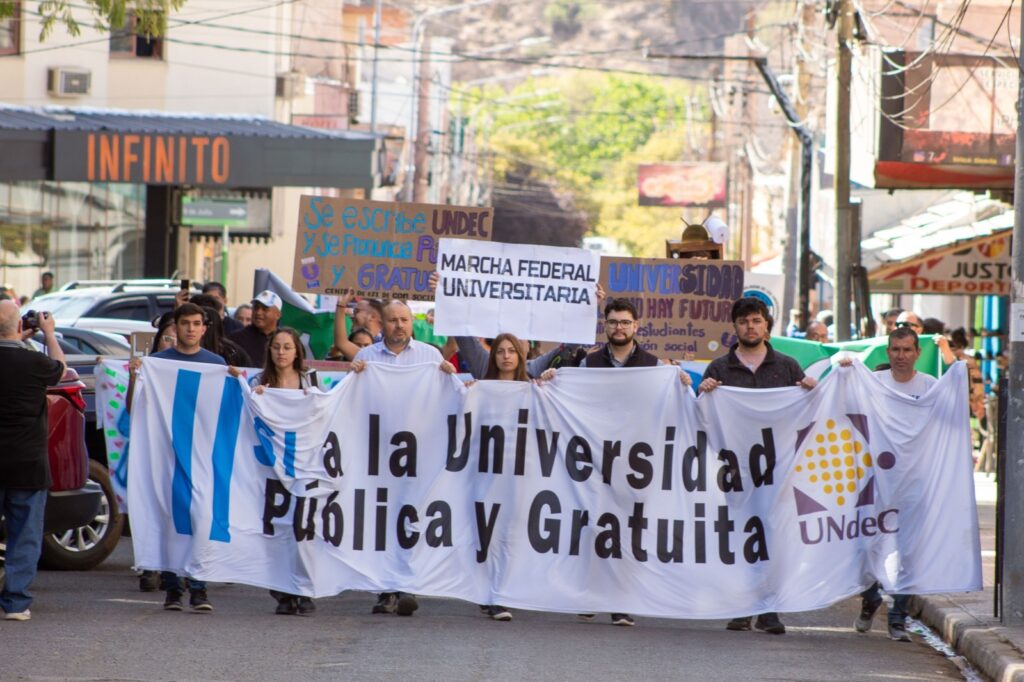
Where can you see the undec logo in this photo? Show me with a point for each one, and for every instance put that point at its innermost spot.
(836, 471)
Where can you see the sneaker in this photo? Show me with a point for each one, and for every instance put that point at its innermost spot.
(149, 581)
(173, 601)
(898, 632)
(738, 624)
(387, 602)
(770, 623)
(484, 609)
(498, 613)
(306, 606)
(867, 614)
(286, 606)
(585, 617)
(197, 601)
(623, 619)
(19, 615)
(406, 604)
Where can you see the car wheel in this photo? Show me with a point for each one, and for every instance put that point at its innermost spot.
(85, 547)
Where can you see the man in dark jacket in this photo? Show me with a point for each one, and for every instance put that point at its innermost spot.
(24, 466)
(753, 363)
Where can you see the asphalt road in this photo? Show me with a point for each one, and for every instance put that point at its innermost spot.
(96, 625)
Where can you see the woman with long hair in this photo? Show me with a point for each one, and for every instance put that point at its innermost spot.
(282, 368)
(507, 362)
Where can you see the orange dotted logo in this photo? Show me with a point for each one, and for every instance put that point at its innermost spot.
(836, 464)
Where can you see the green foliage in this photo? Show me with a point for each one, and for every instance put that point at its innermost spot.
(587, 133)
(150, 15)
(566, 16)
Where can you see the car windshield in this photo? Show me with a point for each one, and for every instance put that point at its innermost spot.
(62, 306)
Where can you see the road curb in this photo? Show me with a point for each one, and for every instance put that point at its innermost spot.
(993, 650)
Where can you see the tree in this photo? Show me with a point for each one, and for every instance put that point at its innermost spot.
(150, 15)
(583, 136)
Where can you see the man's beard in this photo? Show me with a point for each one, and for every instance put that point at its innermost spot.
(749, 344)
(620, 343)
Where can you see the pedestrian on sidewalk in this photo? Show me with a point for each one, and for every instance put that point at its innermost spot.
(24, 464)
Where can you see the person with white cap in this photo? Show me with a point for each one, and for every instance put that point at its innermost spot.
(266, 313)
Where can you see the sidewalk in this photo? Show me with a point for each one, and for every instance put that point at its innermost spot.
(965, 621)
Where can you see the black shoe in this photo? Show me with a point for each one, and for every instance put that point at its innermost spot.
(387, 602)
(197, 601)
(623, 619)
(898, 632)
(867, 614)
(173, 601)
(770, 623)
(738, 623)
(585, 617)
(406, 604)
(498, 612)
(287, 606)
(306, 606)
(149, 581)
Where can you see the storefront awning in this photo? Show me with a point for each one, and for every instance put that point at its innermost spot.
(960, 246)
(198, 150)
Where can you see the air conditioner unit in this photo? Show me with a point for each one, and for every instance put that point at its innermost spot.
(66, 81)
(292, 84)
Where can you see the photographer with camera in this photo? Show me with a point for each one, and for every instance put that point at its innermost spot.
(24, 466)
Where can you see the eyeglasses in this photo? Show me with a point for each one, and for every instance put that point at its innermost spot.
(612, 324)
(912, 325)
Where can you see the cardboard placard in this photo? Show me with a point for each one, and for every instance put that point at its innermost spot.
(379, 249)
(684, 304)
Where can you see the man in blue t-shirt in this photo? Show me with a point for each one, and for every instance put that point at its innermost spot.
(190, 325)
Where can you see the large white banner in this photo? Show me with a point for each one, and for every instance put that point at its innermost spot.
(542, 293)
(603, 490)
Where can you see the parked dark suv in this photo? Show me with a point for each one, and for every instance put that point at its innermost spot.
(82, 522)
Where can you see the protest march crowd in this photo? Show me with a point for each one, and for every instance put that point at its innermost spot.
(372, 331)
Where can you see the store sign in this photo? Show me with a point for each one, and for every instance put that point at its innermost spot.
(981, 268)
(211, 160)
(682, 184)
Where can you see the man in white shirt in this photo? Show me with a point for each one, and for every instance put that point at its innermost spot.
(903, 352)
(399, 348)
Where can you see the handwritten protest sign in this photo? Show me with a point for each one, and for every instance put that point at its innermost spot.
(684, 304)
(544, 293)
(379, 249)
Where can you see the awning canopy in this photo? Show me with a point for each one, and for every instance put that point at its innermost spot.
(960, 246)
(162, 148)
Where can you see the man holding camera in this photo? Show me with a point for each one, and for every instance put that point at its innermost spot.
(24, 465)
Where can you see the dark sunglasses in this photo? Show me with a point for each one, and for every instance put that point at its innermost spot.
(908, 324)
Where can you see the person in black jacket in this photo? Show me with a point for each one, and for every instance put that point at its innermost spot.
(621, 350)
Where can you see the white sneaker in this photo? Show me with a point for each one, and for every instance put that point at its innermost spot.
(20, 615)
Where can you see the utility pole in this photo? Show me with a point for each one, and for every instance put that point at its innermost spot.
(794, 292)
(373, 81)
(844, 232)
(1012, 556)
(421, 174)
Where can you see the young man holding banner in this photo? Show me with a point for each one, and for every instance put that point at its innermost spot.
(399, 348)
(621, 350)
(752, 363)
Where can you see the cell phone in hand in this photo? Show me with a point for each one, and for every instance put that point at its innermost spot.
(184, 285)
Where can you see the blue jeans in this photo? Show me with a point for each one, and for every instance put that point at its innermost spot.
(170, 582)
(900, 603)
(23, 510)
